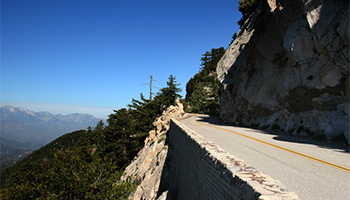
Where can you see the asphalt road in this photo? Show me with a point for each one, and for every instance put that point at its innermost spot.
(311, 168)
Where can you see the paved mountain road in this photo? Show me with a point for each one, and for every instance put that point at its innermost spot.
(309, 179)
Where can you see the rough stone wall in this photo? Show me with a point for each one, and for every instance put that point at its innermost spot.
(202, 170)
(288, 69)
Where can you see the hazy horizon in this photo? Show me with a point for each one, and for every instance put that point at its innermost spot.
(63, 109)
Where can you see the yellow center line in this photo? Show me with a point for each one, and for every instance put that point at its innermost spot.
(282, 148)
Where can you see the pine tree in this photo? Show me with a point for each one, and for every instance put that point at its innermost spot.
(202, 91)
(168, 94)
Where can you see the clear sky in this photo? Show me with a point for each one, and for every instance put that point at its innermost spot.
(92, 56)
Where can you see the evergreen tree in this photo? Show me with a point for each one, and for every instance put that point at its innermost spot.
(168, 94)
(202, 91)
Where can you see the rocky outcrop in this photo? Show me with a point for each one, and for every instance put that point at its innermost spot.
(288, 69)
(148, 167)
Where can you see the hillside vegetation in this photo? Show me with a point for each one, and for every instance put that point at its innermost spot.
(202, 91)
(87, 164)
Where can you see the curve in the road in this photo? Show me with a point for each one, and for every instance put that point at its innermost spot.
(282, 148)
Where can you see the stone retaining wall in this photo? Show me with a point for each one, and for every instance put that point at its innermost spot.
(202, 170)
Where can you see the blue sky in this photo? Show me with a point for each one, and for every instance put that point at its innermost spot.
(92, 56)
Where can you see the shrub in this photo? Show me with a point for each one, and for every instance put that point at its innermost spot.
(246, 7)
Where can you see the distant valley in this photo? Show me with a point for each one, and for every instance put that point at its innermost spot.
(23, 131)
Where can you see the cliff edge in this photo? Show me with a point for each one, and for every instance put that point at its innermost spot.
(147, 170)
(288, 69)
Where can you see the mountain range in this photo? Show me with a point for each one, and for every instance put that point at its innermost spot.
(23, 131)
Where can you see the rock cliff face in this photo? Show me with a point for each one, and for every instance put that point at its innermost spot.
(288, 69)
(148, 167)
